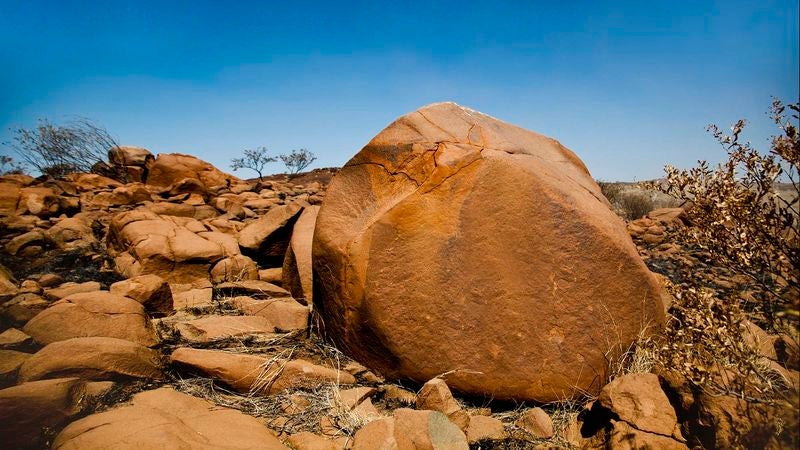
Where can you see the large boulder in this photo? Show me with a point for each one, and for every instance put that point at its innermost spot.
(165, 418)
(457, 243)
(171, 168)
(126, 155)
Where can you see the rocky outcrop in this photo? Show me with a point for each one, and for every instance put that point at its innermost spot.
(179, 249)
(450, 233)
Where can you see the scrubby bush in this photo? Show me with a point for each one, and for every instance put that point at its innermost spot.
(743, 224)
(630, 204)
(255, 159)
(57, 150)
(9, 166)
(298, 160)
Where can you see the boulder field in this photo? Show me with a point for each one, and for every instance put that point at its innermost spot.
(454, 243)
(176, 306)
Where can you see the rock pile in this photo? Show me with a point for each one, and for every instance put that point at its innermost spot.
(454, 254)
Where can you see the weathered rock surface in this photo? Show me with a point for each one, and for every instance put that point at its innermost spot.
(450, 233)
(297, 271)
(284, 313)
(152, 291)
(436, 396)
(637, 399)
(179, 249)
(171, 168)
(97, 358)
(211, 328)
(269, 236)
(89, 314)
(165, 418)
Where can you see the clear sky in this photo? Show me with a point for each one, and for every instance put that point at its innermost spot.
(628, 85)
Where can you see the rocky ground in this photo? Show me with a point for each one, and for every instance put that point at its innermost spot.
(176, 310)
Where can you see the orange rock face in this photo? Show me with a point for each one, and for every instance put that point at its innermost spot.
(457, 243)
(171, 168)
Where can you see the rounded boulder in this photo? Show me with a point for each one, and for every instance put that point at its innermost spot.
(454, 243)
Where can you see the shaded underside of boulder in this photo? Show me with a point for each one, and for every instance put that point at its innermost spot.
(454, 242)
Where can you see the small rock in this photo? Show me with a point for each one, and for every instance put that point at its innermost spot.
(398, 394)
(536, 422)
(638, 399)
(350, 398)
(14, 339)
(152, 291)
(274, 275)
(310, 441)
(436, 396)
(485, 428)
(10, 362)
(256, 374)
(252, 288)
(234, 268)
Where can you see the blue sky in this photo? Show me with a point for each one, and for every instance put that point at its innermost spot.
(628, 85)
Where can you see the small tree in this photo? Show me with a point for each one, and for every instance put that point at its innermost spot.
(254, 159)
(297, 160)
(57, 150)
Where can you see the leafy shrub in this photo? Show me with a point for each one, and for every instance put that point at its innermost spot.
(57, 150)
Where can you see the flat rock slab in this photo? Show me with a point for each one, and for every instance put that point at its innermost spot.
(251, 288)
(212, 328)
(96, 358)
(257, 374)
(89, 314)
(165, 418)
(284, 313)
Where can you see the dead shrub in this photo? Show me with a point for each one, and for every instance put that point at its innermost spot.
(743, 225)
